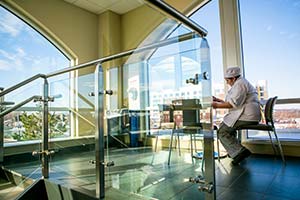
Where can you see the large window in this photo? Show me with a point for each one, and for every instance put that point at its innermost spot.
(271, 46)
(24, 52)
(208, 17)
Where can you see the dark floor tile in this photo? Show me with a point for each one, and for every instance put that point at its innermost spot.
(291, 169)
(142, 174)
(271, 197)
(234, 194)
(263, 165)
(285, 187)
(220, 190)
(225, 180)
(191, 193)
(253, 182)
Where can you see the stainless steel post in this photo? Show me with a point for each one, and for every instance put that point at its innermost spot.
(209, 173)
(45, 131)
(1, 130)
(209, 158)
(99, 137)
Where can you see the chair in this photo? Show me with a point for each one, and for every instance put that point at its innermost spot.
(268, 125)
(165, 125)
(186, 121)
(189, 124)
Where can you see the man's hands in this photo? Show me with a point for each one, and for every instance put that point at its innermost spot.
(219, 103)
(217, 99)
(214, 104)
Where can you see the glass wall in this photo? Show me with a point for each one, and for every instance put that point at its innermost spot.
(174, 74)
(20, 58)
(271, 46)
(208, 16)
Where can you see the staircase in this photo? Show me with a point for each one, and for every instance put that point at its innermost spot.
(8, 190)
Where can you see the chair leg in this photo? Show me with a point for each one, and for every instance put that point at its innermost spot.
(202, 164)
(191, 142)
(195, 143)
(218, 147)
(273, 146)
(170, 146)
(279, 145)
(178, 139)
(156, 140)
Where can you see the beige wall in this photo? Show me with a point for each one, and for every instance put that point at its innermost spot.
(137, 24)
(186, 6)
(109, 33)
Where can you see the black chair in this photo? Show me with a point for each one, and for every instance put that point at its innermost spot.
(268, 125)
(191, 125)
(164, 126)
(187, 123)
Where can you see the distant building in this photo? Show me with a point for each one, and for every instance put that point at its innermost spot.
(262, 89)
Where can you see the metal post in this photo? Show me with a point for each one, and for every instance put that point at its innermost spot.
(209, 173)
(99, 137)
(209, 156)
(1, 130)
(45, 131)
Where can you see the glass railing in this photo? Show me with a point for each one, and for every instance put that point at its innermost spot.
(104, 122)
(16, 123)
(22, 134)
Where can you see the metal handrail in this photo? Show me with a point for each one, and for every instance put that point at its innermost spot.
(180, 38)
(22, 83)
(166, 8)
(101, 60)
(19, 105)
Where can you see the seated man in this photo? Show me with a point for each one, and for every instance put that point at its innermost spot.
(244, 109)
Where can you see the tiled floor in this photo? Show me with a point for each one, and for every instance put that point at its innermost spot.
(140, 174)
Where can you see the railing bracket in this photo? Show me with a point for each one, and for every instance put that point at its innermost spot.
(109, 92)
(106, 164)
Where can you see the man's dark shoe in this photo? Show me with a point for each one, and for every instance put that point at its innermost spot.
(241, 156)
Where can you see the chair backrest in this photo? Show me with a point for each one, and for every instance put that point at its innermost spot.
(269, 107)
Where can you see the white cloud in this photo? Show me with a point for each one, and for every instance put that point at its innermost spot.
(20, 52)
(282, 32)
(269, 28)
(11, 24)
(293, 35)
(39, 63)
(4, 65)
(12, 60)
(6, 55)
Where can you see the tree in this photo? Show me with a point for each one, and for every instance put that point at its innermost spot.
(31, 126)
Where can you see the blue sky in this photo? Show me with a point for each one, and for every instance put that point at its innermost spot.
(24, 52)
(271, 41)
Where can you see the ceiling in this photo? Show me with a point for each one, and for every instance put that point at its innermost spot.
(99, 6)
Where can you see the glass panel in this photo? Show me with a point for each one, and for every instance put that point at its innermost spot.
(22, 139)
(208, 17)
(275, 33)
(16, 126)
(163, 90)
(72, 129)
(151, 89)
(24, 52)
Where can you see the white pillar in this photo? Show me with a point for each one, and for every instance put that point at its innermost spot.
(231, 33)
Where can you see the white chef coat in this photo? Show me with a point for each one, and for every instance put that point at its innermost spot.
(243, 98)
